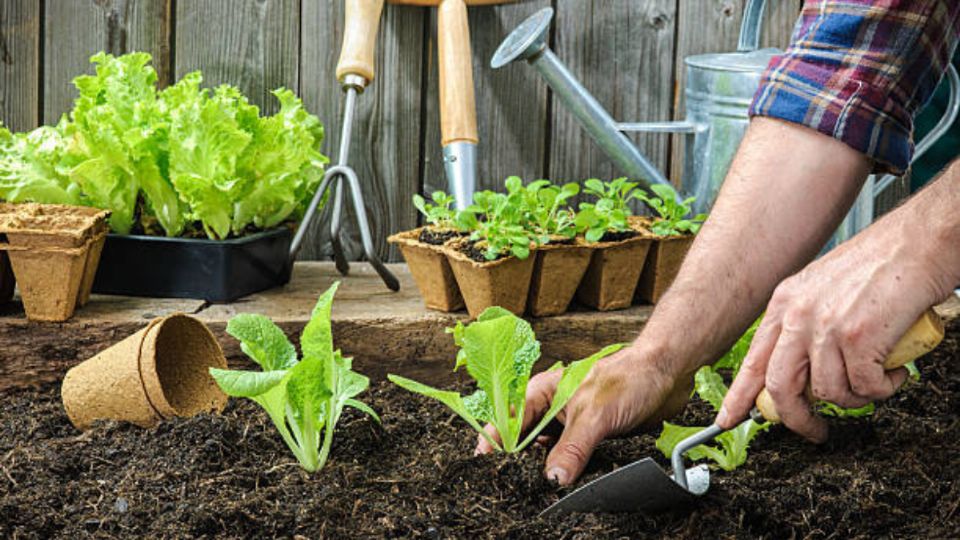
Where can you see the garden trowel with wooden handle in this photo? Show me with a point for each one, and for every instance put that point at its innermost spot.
(643, 486)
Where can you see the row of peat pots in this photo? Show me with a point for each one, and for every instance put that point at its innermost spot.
(52, 253)
(634, 268)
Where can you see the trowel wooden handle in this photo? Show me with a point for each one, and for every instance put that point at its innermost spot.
(458, 109)
(361, 24)
(923, 337)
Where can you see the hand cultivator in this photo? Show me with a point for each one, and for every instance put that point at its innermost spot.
(355, 70)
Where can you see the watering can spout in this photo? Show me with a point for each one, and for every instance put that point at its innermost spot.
(529, 42)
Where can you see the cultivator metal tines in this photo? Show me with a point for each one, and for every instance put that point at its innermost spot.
(333, 180)
(355, 70)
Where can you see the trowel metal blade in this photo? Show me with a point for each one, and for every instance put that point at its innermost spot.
(641, 486)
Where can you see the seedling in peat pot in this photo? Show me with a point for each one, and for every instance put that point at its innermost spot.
(304, 398)
(544, 207)
(440, 213)
(499, 351)
(610, 211)
(496, 222)
(673, 213)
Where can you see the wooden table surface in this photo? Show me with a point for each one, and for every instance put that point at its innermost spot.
(385, 332)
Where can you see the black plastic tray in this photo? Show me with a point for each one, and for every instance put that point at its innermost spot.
(212, 270)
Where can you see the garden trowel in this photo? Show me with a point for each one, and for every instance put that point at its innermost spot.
(643, 486)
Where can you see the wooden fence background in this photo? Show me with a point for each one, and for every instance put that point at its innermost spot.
(628, 52)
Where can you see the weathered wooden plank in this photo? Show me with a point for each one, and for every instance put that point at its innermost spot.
(385, 145)
(76, 30)
(252, 44)
(511, 104)
(706, 26)
(385, 332)
(20, 64)
(622, 51)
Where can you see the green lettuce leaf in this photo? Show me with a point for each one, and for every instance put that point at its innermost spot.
(34, 167)
(263, 341)
(247, 384)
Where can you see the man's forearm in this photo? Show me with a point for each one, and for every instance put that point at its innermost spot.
(787, 191)
(925, 231)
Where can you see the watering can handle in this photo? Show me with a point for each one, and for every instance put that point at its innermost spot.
(751, 26)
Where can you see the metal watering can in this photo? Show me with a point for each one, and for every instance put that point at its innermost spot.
(720, 88)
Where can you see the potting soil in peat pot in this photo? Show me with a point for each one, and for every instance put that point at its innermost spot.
(893, 475)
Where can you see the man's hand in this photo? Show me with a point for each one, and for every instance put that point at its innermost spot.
(622, 392)
(832, 325)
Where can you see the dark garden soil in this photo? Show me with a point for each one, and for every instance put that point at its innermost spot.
(895, 475)
(617, 236)
(438, 237)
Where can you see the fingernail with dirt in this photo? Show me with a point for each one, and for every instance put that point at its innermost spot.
(557, 476)
(722, 419)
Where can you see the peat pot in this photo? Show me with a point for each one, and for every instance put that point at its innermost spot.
(431, 271)
(504, 282)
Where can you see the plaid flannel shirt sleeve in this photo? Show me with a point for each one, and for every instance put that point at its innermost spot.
(860, 70)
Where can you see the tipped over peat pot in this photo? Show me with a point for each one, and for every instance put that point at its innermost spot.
(614, 272)
(431, 271)
(663, 263)
(159, 372)
(557, 272)
(504, 282)
(211, 270)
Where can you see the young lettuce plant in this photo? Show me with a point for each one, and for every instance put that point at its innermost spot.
(731, 449)
(610, 211)
(673, 213)
(498, 351)
(304, 398)
(440, 214)
(496, 220)
(545, 212)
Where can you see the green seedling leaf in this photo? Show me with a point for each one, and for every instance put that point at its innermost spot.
(246, 384)
(317, 338)
(304, 399)
(673, 213)
(263, 341)
(730, 451)
(499, 350)
(829, 409)
(610, 210)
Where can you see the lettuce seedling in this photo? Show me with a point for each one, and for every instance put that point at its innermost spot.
(610, 211)
(440, 214)
(496, 221)
(498, 351)
(731, 447)
(546, 215)
(673, 212)
(304, 398)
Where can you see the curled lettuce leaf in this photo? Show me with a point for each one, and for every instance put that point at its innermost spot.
(185, 158)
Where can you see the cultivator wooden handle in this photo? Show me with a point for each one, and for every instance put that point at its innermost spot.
(361, 24)
(923, 337)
